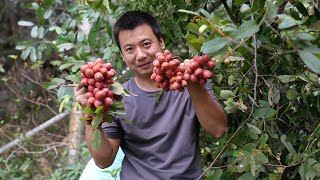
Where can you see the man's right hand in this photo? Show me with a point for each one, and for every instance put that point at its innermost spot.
(79, 93)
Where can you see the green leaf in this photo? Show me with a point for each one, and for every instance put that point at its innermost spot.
(40, 32)
(34, 31)
(264, 113)
(47, 14)
(292, 94)
(247, 176)
(88, 110)
(287, 144)
(225, 94)
(96, 139)
(253, 131)
(98, 110)
(65, 66)
(25, 23)
(65, 46)
(117, 88)
(96, 122)
(33, 54)
(74, 78)
(25, 53)
(311, 60)
(80, 36)
(20, 47)
(214, 45)
(286, 78)
(57, 81)
(188, 12)
(239, 2)
(246, 29)
(71, 36)
(272, 12)
(303, 10)
(84, 119)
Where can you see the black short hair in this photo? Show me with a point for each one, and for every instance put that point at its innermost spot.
(132, 19)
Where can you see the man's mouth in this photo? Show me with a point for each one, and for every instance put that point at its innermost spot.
(142, 65)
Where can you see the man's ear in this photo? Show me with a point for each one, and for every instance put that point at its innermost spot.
(162, 43)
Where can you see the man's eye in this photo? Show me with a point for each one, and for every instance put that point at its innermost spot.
(147, 44)
(129, 49)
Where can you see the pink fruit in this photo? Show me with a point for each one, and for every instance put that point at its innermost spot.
(207, 74)
(84, 82)
(98, 76)
(89, 73)
(108, 101)
(100, 95)
(98, 103)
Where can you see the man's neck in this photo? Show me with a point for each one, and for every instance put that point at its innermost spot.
(146, 84)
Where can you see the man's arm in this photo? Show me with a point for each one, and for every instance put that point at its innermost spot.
(107, 151)
(211, 116)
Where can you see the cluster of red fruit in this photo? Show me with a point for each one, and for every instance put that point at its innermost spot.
(199, 69)
(170, 74)
(97, 77)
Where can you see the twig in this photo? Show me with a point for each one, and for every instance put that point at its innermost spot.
(233, 19)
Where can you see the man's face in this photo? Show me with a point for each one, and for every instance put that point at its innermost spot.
(138, 47)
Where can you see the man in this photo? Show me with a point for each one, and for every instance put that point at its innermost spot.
(162, 140)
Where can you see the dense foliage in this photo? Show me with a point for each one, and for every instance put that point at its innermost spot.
(267, 75)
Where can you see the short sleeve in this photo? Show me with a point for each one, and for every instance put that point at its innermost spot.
(113, 130)
(211, 93)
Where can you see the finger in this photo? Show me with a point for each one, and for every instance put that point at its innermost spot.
(80, 91)
(78, 87)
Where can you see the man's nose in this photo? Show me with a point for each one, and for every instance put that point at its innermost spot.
(141, 54)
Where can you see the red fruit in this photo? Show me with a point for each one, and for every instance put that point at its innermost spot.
(105, 90)
(89, 73)
(88, 122)
(108, 66)
(84, 67)
(194, 65)
(90, 88)
(164, 66)
(166, 52)
(91, 101)
(96, 68)
(202, 61)
(103, 71)
(193, 78)
(84, 82)
(206, 57)
(198, 72)
(99, 60)
(87, 116)
(169, 72)
(162, 59)
(179, 79)
(211, 65)
(207, 74)
(186, 77)
(109, 81)
(89, 94)
(99, 85)
(98, 76)
(83, 76)
(158, 85)
(108, 101)
(156, 63)
(172, 80)
(91, 64)
(159, 78)
(153, 76)
(181, 69)
(91, 81)
(164, 84)
(189, 71)
(175, 85)
(100, 95)
(168, 57)
(98, 103)
(158, 54)
(110, 74)
(95, 90)
(196, 58)
(202, 81)
(110, 93)
(184, 83)
(179, 74)
(172, 64)
(158, 71)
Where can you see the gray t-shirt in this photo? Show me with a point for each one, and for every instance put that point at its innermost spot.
(162, 140)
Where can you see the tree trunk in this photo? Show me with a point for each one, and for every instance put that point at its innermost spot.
(75, 135)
